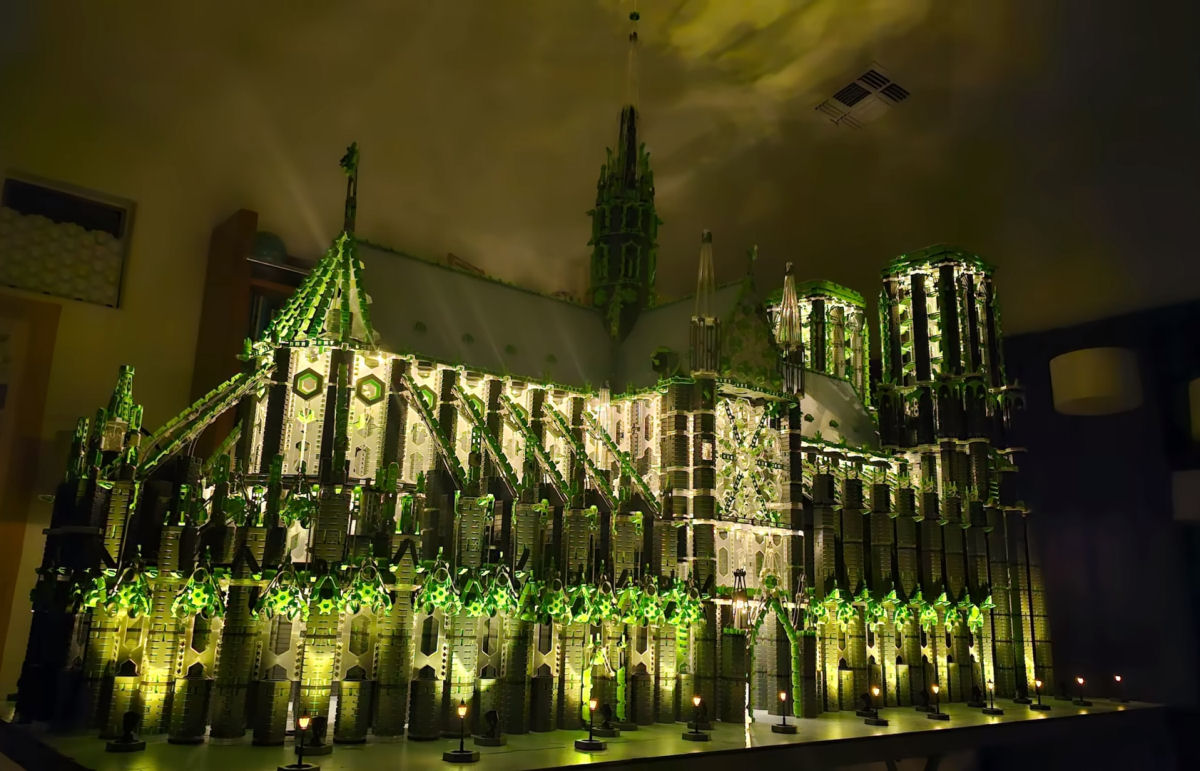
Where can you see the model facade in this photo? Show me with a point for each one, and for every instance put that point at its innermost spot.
(706, 498)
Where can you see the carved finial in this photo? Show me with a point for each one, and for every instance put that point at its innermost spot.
(349, 162)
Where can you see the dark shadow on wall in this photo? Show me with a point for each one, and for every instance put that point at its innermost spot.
(1122, 575)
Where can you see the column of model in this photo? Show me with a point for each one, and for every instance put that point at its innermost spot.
(241, 630)
(944, 399)
(200, 609)
(673, 672)
(395, 628)
(111, 674)
(164, 637)
(318, 663)
(87, 528)
(693, 447)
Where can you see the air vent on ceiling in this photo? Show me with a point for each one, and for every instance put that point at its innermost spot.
(874, 79)
(851, 94)
(863, 100)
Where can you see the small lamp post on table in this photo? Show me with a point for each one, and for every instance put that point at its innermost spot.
(782, 727)
(937, 713)
(462, 754)
(591, 743)
(1079, 700)
(991, 709)
(873, 718)
(695, 734)
(1037, 692)
(302, 724)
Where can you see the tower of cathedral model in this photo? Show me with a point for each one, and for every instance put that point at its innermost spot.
(617, 499)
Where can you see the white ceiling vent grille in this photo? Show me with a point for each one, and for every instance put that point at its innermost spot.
(863, 100)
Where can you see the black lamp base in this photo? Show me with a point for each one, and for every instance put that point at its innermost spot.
(611, 732)
(864, 713)
(938, 716)
(590, 745)
(992, 711)
(461, 756)
(780, 728)
(876, 721)
(1040, 707)
(696, 736)
(490, 741)
(297, 767)
(116, 745)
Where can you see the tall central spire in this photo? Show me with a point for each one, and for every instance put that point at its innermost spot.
(631, 67)
(624, 222)
(349, 164)
(627, 142)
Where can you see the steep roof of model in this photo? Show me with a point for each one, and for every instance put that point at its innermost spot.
(330, 307)
(933, 255)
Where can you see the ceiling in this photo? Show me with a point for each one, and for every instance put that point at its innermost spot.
(1056, 139)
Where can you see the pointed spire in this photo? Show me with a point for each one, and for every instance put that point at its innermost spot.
(121, 405)
(631, 69)
(627, 144)
(330, 307)
(349, 164)
(706, 328)
(705, 280)
(788, 328)
(789, 337)
(624, 221)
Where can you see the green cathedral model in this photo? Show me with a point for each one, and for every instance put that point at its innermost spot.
(523, 503)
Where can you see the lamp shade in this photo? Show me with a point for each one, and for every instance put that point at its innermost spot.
(1096, 381)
